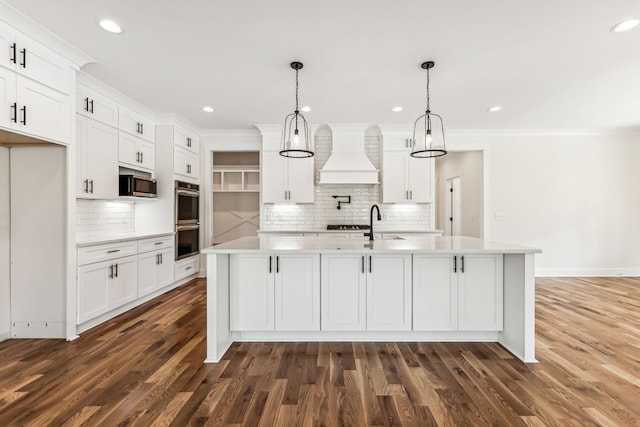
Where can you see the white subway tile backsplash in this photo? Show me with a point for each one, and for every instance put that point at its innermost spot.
(96, 218)
(323, 211)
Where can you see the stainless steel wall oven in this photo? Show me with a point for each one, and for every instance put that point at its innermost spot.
(187, 219)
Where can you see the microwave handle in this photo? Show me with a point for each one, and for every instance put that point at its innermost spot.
(187, 193)
(187, 227)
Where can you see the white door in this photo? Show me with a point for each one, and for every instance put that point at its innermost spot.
(136, 124)
(98, 150)
(419, 179)
(453, 207)
(7, 39)
(147, 154)
(96, 106)
(274, 175)
(435, 293)
(480, 287)
(165, 270)
(252, 292)
(42, 64)
(343, 292)
(147, 272)
(297, 292)
(389, 292)
(43, 111)
(300, 179)
(93, 290)
(8, 113)
(124, 286)
(394, 177)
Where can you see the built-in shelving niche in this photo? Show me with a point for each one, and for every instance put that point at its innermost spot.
(236, 195)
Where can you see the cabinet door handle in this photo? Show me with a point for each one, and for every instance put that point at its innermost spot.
(188, 142)
(410, 194)
(91, 106)
(91, 186)
(24, 115)
(157, 259)
(86, 185)
(23, 53)
(141, 128)
(161, 259)
(277, 264)
(115, 272)
(455, 264)
(158, 243)
(363, 263)
(111, 272)
(113, 251)
(370, 268)
(14, 111)
(141, 157)
(462, 264)
(270, 264)
(13, 53)
(86, 104)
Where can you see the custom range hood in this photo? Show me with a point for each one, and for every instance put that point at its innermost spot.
(348, 163)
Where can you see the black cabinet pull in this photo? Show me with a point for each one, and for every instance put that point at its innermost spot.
(91, 106)
(23, 52)
(270, 264)
(462, 264)
(86, 104)
(24, 115)
(160, 258)
(113, 251)
(141, 157)
(141, 128)
(157, 259)
(115, 273)
(14, 111)
(277, 264)
(86, 185)
(370, 263)
(158, 243)
(363, 263)
(91, 184)
(111, 272)
(455, 264)
(13, 53)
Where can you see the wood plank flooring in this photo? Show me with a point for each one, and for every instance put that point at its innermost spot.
(146, 368)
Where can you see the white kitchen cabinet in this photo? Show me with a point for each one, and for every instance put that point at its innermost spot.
(286, 180)
(135, 152)
(185, 162)
(29, 58)
(405, 179)
(185, 139)
(480, 292)
(297, 292)
(389, 292)
(435, 293)
(252, 297)
(96, 106)
(343, 284)
(155, 270)
(458, 292)
(136, 124)
(97, 153)
(186, 267)
(106, 285)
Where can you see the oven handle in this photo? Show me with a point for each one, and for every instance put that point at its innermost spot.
(187, 227)
(187, 193)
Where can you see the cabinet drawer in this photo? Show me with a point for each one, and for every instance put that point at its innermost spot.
(97, 253)
(187, 267)
(155, 243)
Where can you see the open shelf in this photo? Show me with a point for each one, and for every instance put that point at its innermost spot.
(236, 178)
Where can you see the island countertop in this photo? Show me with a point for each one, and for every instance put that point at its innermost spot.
(435, 244)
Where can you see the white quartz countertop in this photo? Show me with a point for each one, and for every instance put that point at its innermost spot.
(114, 238)
(329, 244)
(325, 231)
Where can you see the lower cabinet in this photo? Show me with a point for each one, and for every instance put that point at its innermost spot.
(275, 292)
(106, 285)
(366, 292)
(458, 292)
(155, 270)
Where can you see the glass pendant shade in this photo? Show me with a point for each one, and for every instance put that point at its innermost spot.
(428, 129)
(295, 134)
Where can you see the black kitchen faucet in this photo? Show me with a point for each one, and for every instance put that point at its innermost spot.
(370, 233)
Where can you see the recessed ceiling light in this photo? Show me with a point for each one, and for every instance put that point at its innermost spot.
(109, 25)
(396, 109)
(494, 108)
(306, 109)
(625, 25)
(207, 109)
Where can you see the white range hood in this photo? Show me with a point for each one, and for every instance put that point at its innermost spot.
(348, 163)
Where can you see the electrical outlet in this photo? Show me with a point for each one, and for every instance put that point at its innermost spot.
(500, 216)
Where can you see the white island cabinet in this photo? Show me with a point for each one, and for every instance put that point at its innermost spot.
(414, 289)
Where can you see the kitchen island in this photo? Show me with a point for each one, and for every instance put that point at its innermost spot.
(413, 289)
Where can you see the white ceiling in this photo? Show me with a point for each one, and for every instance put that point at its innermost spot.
(551, 64)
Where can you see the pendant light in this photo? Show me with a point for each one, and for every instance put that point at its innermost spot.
(428, 129)
(295, 135)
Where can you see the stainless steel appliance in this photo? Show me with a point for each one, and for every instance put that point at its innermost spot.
(137, 186)
(187, 219)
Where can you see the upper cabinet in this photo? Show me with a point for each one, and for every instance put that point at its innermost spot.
(405, 179)
(97, 152)
(34, 87)
(185, 139)
(186, 153)
(136, 153)
(93, 104)
(136, 124)
(286, 180)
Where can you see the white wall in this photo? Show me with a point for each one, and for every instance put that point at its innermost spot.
(574, 196)
(5, 245)
(468, 166)
(95, 218)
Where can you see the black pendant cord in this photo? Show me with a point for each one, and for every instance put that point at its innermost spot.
(297, 111)
(428, 97)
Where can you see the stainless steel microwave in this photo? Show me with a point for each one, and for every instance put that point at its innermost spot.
(138, 186)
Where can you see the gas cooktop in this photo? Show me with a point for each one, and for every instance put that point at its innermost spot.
(347, 227)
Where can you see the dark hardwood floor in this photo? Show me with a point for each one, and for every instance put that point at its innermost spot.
(146, 368)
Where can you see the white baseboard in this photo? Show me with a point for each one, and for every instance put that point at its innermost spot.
(587, 272)
(4, 337)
